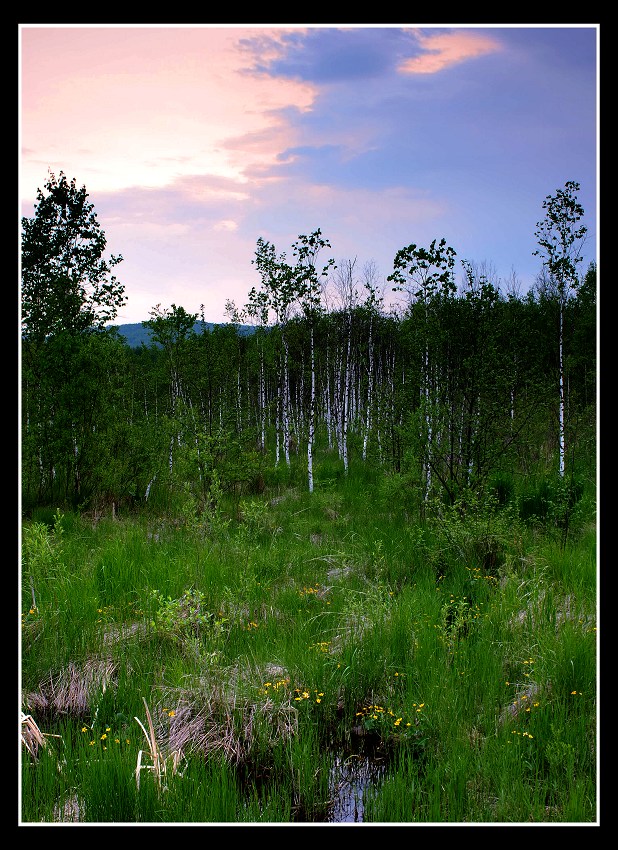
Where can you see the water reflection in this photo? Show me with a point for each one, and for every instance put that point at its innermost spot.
(352, 773)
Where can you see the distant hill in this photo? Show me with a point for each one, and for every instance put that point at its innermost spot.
(136, 334)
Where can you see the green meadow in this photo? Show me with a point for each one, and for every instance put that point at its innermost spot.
(262, 660)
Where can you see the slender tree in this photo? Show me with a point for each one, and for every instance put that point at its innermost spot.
(424, 274)
(372, 307)
(309, 287)
(346, 286)
(561, 239)
(276, 296)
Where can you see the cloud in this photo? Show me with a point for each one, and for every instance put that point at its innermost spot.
(193, 141)
(226, 224)
(328, 55)
(145, 106)
(442, 50)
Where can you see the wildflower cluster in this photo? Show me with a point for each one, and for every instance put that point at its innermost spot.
(316, 591)
(524, 703)
(31, 624)
(108, 613)
(529, 670)
(528, 664)
(104, 613)
(386, 722)
(521, 735)
(32, 612)
(105, 738)
(321, 646)
(273, 687)
(302, 695)
(476, 574)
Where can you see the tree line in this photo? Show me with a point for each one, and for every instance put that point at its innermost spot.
(464, 385)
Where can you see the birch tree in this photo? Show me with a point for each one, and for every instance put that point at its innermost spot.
(561, 239)
(275, 297)
(171, 329)
(372, 306)
(424, 273)
(309, 287)
(346, 286)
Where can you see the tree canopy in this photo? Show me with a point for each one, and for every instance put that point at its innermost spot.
(67, 282)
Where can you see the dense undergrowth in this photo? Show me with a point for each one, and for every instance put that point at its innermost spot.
(212, 668)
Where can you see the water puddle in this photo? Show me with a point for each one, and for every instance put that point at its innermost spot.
(362, 765)
(350, 778)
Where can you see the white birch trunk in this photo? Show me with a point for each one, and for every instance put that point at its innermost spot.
(369, 392)
(311, 418)
(346, 392)
(561, 389)
(286, 404)
(262, 403)
(238, 401)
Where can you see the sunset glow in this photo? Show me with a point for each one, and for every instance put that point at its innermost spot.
(193, 141)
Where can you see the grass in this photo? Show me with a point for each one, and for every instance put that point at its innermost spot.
(178, 674)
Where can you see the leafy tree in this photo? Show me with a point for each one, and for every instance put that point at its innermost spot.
(422, 272)
(171, 329)
(306, 250)
(67, 283)
(561, 238)
(286, 287)
(427, 276)
(75, 429)
(68, 294)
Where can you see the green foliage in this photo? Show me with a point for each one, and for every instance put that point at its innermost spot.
(41, 555)
(66, 282)
(184, 615)
(560, 237)
(188, 624)
(423, 272)
(457, 618)
(473, 533)
(557, 503)
(503, 485)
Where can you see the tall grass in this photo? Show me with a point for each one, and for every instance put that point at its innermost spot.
(264, 649)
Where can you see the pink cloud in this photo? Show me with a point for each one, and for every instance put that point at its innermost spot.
(449, 48)
(144, 106)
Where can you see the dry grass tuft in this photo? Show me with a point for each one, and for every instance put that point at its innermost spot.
(160, 762)
(31, 736)
(219, 717)
(70, 691)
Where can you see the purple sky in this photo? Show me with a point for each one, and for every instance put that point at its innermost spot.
(194, 141)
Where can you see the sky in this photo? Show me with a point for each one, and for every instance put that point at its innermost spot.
(194, 141)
